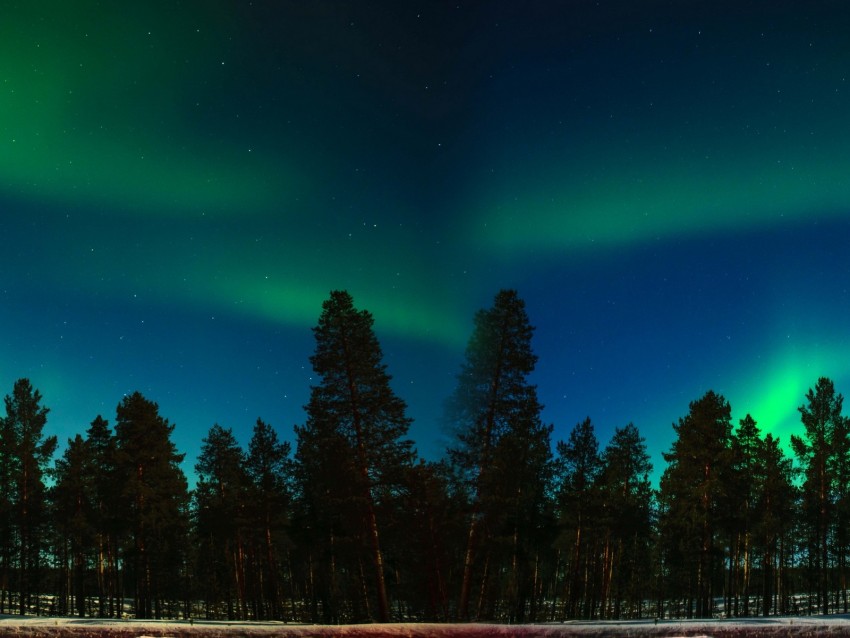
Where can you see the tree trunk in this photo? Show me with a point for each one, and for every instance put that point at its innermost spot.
(371, 519)
(483, 591)
(377, 556)
(466, 580)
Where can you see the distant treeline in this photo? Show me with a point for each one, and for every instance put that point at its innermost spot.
(353, 527)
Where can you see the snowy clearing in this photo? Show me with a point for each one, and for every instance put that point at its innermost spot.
(96, 628)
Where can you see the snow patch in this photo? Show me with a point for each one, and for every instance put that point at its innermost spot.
(808, 627)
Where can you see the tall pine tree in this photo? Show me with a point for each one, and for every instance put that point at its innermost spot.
(355, 412)
(495, 415)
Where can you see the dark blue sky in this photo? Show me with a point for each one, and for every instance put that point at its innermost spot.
(664, 183)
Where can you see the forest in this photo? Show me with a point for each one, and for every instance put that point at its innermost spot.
(348, 525)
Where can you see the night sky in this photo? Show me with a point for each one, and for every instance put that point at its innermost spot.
(666, 185)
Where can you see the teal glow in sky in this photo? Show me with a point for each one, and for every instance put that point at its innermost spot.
(665, 184)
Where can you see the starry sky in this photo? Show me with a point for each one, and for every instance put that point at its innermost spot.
(666, 184)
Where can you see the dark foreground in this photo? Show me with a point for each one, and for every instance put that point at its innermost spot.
(755, 628)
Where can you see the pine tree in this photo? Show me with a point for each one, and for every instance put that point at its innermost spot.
(840, 461)
(354, 410)
(8, 468)
(154, 500)
(432, 526)
(739, 505)
(493, 407)
(523, 468)
(774, 514)
(73, 515)
(328, 521)
(626, 495)
(220, 498)
(30, 454)
(269, 473)
(579, 468)
(100, 442)
(691, 490)
(825, 434)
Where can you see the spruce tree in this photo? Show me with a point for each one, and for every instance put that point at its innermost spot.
(494, 409)
(355, 413)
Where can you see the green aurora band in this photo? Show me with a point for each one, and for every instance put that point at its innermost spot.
(551, 211)
(772, 392)
(125, 141)
(81, 127)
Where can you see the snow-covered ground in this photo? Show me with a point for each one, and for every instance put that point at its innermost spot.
(815, 626)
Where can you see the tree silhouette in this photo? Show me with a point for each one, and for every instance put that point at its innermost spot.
(74, 521)
(29, 455)
(355, 412)
(493, 410)
(579, 501)
(220, 499)
(819, 454)
(154, 504)
(107, 522)
(269, 472)
(627, 499)
(691, 490)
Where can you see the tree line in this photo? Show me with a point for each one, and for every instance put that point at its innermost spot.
(352, 526)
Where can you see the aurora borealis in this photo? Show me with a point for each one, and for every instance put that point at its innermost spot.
(667, 185)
